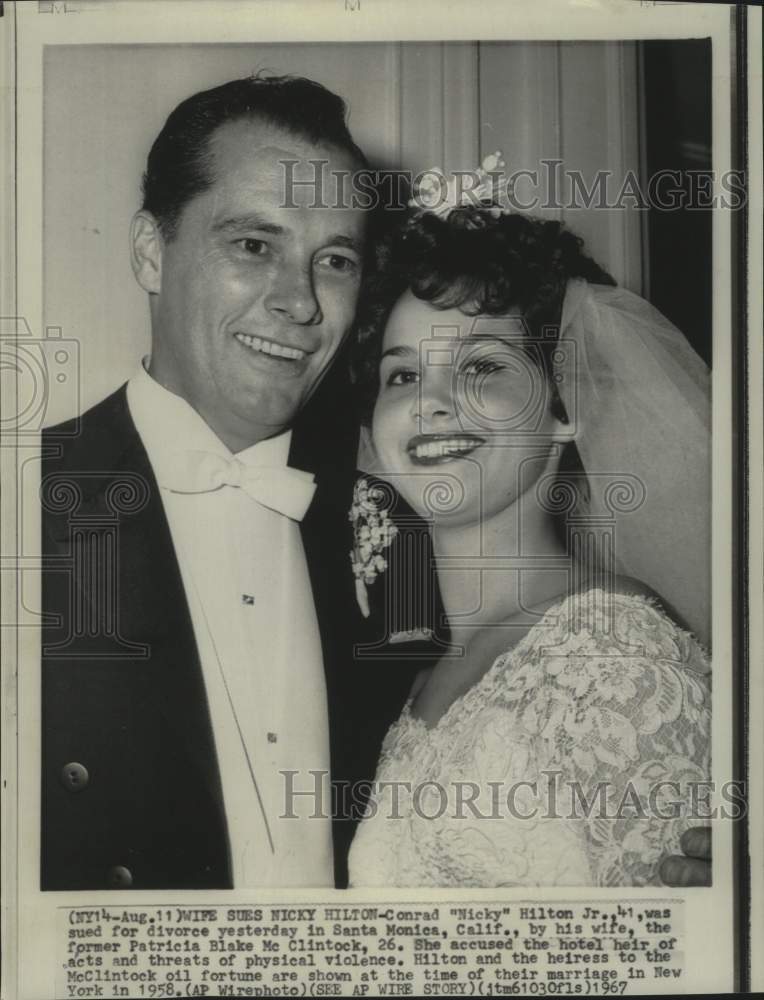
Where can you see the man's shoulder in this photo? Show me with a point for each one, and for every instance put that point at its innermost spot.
(103, 414)
(93, 437)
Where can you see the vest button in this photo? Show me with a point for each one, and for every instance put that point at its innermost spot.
(119, 877)
(75, 776)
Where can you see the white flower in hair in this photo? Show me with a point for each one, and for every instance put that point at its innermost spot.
(439, 195)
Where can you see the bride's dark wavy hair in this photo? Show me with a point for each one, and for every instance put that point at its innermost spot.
(476, 261)
(480, 262)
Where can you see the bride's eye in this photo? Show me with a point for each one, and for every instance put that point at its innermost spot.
(402, 376)
(482, 366)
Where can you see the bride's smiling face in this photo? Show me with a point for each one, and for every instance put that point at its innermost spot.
(462, 424)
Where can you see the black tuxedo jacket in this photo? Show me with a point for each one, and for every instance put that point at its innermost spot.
(131, 793)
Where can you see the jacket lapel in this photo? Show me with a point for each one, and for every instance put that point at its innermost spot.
(152, 612)
(325, 443)
(156, 608)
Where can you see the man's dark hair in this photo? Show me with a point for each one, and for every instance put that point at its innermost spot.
(180, 164)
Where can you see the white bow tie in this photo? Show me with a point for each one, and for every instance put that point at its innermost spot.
(280, 488)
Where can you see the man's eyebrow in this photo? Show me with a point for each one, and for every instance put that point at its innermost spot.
(341, 240)
(398, 352)
(248, 223)
(245, 223)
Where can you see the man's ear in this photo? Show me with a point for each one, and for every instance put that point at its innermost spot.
(146, 251)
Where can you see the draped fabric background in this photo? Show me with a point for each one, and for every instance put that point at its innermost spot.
(412, 106)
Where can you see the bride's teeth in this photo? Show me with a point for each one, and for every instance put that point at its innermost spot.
(269, 347)
(436, 449)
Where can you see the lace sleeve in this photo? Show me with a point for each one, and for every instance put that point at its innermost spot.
(617, 701)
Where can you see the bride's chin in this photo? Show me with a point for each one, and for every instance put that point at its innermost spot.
(435, 493)
(442, 506)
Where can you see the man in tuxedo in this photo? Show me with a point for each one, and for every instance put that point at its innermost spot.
(199, 612)
(199, 606)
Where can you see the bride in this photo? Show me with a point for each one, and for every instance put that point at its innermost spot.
(552, 430)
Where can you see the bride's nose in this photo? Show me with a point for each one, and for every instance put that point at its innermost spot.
(435, 399)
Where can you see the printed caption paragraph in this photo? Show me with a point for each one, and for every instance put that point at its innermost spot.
(597, 948)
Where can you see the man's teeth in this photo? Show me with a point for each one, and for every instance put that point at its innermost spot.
(269, 347)
(436, 449)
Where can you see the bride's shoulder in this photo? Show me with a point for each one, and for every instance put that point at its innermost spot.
(624, 611)
(626, 587)
(613, 648)
(629, 592)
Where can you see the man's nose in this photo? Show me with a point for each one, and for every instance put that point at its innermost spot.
(292, 296)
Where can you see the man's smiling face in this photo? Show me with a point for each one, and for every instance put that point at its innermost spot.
(251, 299)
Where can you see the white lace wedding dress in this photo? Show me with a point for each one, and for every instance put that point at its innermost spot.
(598, 719)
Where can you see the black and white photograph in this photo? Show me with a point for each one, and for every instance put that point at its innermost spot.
(375, 423)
